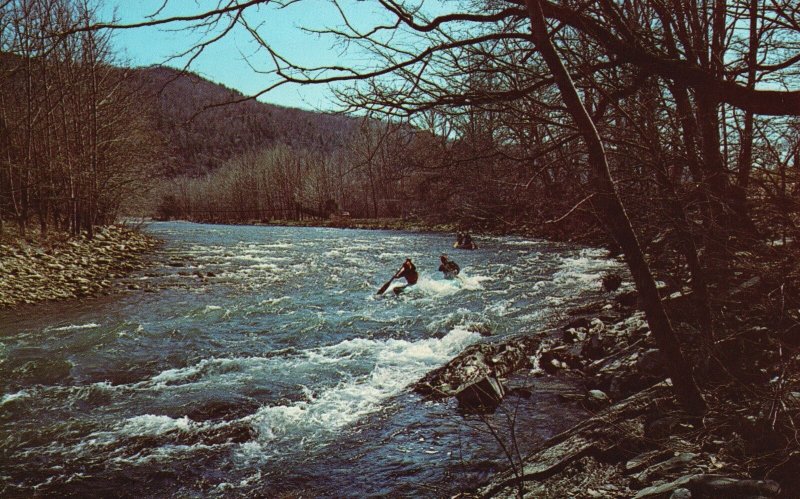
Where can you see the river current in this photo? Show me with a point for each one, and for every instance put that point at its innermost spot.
(258, 362)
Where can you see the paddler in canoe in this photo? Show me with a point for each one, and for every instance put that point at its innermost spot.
(408, 271)
(464, 241)
(449, 268)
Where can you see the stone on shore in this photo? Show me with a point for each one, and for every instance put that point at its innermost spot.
(711, 485)
(481, 396)
(61, 270)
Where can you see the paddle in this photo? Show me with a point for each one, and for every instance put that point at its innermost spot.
(386, 286)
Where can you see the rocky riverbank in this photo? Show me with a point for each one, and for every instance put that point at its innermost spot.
(637, 444)
(66, 268)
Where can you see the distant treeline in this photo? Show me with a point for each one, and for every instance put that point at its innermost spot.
(383, 170)
(72, 134)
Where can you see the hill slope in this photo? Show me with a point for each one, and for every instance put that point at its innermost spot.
(198, 139)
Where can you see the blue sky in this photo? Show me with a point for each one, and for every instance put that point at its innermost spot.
(224, 62)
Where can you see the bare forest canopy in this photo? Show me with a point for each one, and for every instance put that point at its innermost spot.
(73, 138)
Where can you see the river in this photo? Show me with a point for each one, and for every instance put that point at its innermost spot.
(258, 361)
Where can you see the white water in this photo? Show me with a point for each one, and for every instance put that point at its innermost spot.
(265, 362)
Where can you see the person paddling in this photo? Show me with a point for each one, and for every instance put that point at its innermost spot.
(464, 241)
(409, 271)
(449, 268)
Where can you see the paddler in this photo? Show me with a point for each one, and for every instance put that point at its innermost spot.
(409, 271)
(449, 267)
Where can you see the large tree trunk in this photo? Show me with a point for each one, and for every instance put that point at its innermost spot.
(609, 205)
(675, 211)
(746, 150)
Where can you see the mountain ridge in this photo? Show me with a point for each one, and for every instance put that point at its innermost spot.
(202, 126)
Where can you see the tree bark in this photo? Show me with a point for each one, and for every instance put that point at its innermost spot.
(609, 205)
(746, 151)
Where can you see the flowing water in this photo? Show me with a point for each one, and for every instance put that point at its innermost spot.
(281, 371)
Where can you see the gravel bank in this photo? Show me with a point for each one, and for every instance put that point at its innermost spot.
(67, 269)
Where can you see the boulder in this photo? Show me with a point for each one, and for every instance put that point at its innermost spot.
(708, 485)
(482, 396)
(476, 362)
(611, 282)
(628, 299)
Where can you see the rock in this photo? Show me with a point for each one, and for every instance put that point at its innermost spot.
(569, 456)
(482, 329)
(597, 399)
(476, 362)
(599, 395)
(482, 396)
(593, 349)
(707, 485)
(597, 326)
(658, 470)
(562, 357)
(611, 282)
(681, 493)
(645, 459)
(572, 335)
(628, 298)
(747, 285)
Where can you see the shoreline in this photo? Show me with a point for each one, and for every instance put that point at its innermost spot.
(61, 268)
(594, 240)
(636, 441)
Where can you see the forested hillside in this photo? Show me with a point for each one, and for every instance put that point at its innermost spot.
(201, 129)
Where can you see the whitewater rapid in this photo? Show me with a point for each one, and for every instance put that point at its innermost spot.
(254, 360)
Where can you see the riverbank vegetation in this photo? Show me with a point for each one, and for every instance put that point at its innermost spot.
(74, 141)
